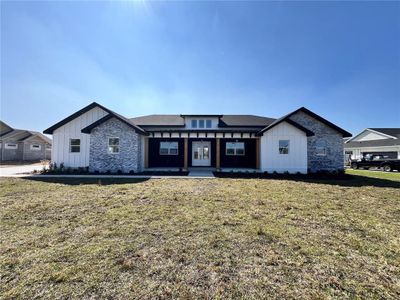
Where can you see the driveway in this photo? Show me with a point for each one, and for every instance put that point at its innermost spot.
(19, 169)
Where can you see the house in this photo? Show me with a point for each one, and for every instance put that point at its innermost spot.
(23, 145)
(103, 140)
(378, 141)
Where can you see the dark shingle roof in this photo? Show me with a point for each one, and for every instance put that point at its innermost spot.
(245, 120)
(395, 132)
(225, 120)
(374, 143)
(159, 120)
(312, 114)
(20, 135)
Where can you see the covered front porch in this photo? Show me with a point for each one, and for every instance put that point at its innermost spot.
(231, 152)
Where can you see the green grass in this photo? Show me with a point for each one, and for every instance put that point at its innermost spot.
(191, 239)
(395, 176)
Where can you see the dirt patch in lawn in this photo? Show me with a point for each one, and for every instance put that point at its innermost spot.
(207, 238)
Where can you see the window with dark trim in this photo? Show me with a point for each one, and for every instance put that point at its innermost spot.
(74, 145)
(11, 146)
(283, 146)
(234, 148)
(169, 148)
(36, 147)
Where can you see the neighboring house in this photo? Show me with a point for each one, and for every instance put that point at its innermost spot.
(103, 140)
(23, 145)
(378, 141)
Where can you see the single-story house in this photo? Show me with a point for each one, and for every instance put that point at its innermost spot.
(103, 140)
(23, 145)
(377, 141)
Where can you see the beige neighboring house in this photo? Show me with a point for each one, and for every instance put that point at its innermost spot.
(23, 145)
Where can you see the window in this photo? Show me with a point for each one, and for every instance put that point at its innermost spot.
(74, 145)
(234, 148)
(320, 148)
(208, 124)
(194, 123)
(169, 148)
(113, 145)
(283, 146)
(201, 123)
(35, 147)
(11, 146)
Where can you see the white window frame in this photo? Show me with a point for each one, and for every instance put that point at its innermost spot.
(33, 148)
(208, 122)
(235, 149)
(194, 123)
(202, 122)
(168, 146)
(11, 146)
(288, 147)
(70, 146)
(113, 146)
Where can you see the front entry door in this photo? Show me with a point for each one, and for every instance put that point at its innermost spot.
(201, 154)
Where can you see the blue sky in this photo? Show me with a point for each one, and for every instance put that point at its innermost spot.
(339, 59)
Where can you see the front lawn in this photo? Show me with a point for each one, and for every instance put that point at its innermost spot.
(375, 174)
(200, 238)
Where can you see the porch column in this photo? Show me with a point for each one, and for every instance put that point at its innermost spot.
(185, 153)
(146, 152)
(258, 144)
(217, 153)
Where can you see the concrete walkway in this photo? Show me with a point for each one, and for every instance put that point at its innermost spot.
(19, 170)
(201, 174)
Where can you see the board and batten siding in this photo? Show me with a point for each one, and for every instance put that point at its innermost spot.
(272, 160)
(72, 130)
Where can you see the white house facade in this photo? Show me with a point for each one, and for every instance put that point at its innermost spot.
(105, 141)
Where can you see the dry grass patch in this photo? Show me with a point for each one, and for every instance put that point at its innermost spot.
(208, 238)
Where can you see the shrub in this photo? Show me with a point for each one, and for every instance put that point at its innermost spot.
(131, 172)
(119, 172)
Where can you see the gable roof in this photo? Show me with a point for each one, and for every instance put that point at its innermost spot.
(92, 105)
(291, 122)
(20, 135)
(51, 129)
(4, 128)
(393, 132)
(311, 114)
(111, 115)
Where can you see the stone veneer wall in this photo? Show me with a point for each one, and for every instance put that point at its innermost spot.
(128, 159)
(333, 161)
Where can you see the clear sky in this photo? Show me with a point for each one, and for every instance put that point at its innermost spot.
(339, 59)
